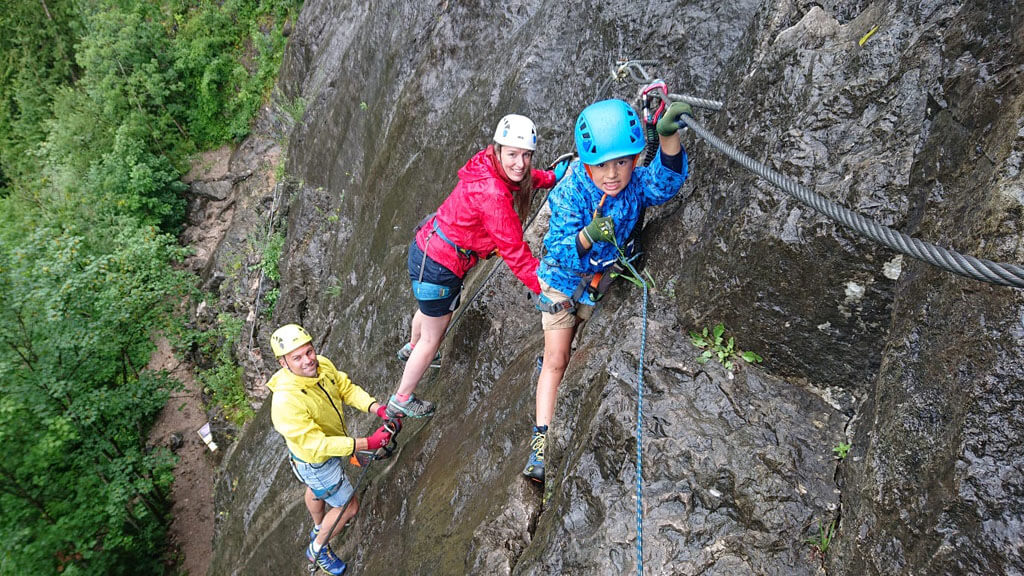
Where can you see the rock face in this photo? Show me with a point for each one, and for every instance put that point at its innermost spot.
(918, 127)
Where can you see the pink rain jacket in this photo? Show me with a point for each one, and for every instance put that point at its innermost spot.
(480, 215)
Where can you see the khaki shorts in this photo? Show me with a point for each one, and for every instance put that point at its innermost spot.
(563, 318)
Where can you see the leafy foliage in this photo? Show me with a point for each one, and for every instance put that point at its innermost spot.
(230, 57)
(716, 346)
(224, 382)
(269, 265)
(36, 45)
(841, 450)
(822, 540)
(101, 104)
(74, 396)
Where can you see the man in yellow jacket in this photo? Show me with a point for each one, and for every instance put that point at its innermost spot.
(306, 409)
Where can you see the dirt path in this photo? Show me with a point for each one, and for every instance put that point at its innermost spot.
(192, 493)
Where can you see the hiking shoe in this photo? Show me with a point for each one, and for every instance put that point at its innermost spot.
(535, 464)
(406, 351)
(313, 533)
(413, 407)
(326, 560)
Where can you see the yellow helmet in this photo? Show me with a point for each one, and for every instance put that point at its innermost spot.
(288, 338)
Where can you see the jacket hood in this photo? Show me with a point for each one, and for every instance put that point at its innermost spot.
(483, 165)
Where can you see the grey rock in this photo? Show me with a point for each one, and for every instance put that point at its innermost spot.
(919, 371)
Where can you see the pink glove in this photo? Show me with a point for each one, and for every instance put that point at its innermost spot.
(379, 438)
(382, 411)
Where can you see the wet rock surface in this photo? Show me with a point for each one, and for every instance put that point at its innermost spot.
(918, 369)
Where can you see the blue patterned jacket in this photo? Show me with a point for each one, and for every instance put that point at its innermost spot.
(573, 202)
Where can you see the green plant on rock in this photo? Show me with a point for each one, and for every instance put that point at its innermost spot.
(270, 263)
(271, 298)
(715, 345)
(280, 169)
(820, 542)
(224, 382)
(841, 450)
(295, 108)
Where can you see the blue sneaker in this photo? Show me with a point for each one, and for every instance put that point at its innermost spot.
(313, 533)
(406, 351)
(326, 560)
(535, 463)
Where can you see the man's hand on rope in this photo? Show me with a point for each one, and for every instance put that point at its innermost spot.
(379, 438)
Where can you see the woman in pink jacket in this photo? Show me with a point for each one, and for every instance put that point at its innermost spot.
(478, 220)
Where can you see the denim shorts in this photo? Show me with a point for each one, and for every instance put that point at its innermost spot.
(434, 273)
(327, 480)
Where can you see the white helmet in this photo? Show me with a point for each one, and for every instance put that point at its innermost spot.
(518, 131)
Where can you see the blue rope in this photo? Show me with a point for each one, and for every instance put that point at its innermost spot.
(639, 427)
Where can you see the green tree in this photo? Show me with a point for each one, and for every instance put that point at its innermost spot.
(129, 90)
(36, 58)
(101, 103)
(229, 58)
(82, 489)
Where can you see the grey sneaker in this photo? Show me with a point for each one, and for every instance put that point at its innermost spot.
(413, 408)
(406, 351)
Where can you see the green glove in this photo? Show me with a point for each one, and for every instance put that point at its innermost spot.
(669, 122)
(600, 230)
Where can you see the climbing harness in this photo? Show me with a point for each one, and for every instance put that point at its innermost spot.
(463, 252)
(363, 459)
(428, 290)
(545, 304)
(594, 285)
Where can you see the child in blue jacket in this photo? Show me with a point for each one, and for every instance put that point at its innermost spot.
(593, 211)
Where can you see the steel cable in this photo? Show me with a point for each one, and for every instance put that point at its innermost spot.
(965, 265)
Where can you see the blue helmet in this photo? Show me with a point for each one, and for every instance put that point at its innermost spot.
(606, 130)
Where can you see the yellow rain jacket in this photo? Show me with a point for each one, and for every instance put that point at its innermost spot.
(307, 411)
